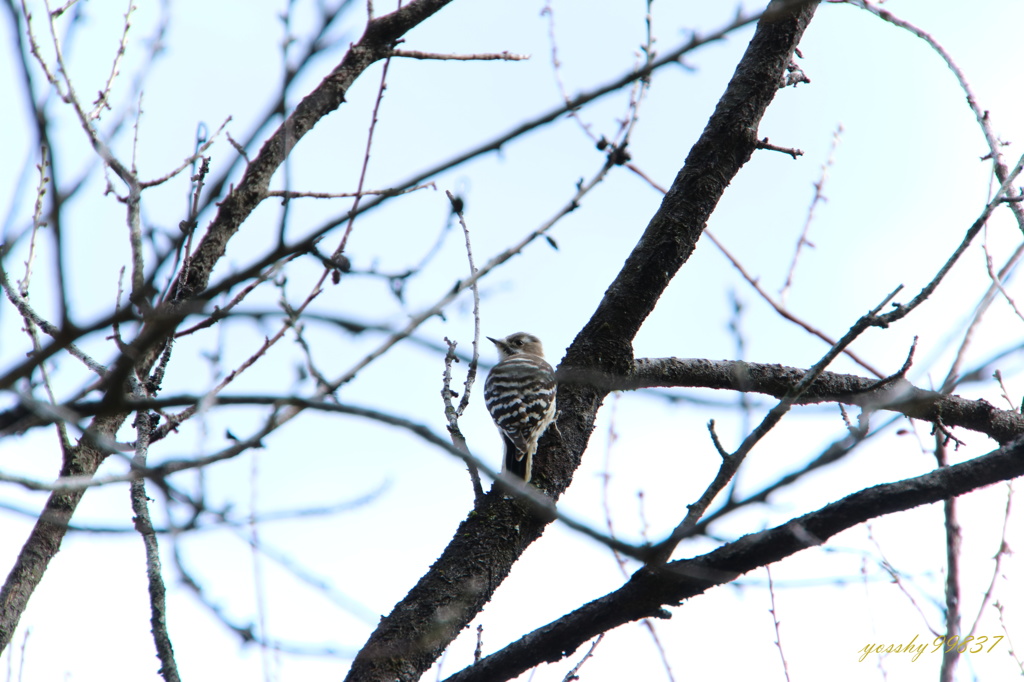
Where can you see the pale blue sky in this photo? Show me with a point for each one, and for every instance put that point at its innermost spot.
(905, 185)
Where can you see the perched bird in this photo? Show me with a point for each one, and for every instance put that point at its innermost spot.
(520, 395)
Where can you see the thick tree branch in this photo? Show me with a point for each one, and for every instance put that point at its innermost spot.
(83, 460)
(726, 144)
(895, 395)
(409, 640)
(898, 395)
(305, 243)
(376, 43)
(650, 590)
(44, 541)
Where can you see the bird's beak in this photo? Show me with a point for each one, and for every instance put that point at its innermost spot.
(494, 341)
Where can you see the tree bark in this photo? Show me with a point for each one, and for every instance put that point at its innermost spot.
(408, 641)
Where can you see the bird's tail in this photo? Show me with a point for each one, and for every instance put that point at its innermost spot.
(517, 462)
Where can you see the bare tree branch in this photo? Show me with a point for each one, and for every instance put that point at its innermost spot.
(651, 589)
(142, 352)
(486, 544)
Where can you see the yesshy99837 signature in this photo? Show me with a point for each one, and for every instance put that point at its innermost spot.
(969, 644)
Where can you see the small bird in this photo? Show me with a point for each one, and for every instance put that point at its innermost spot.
(520, 395)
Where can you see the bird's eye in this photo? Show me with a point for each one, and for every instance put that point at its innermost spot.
(518, 342)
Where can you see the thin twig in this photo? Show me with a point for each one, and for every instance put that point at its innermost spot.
(29, 313)
(980, 115)
(754, 282)
(765, 144)
(950, 656)
(144, 525)
(188, 161)
(1003, 551)
(539, 503)
(452, 416)
(288, 195)
(775, 623)
(904, 309)
(781, 309)
(353, 212)
(482, 56)
(817, 199)
(900, 579)
(102, 102)
(475, 288)
(257, 569)
(998, 284)
(572, 674)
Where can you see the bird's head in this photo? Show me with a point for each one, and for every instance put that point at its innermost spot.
(517, 343)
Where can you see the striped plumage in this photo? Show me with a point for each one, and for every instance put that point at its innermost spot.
(520, 395)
